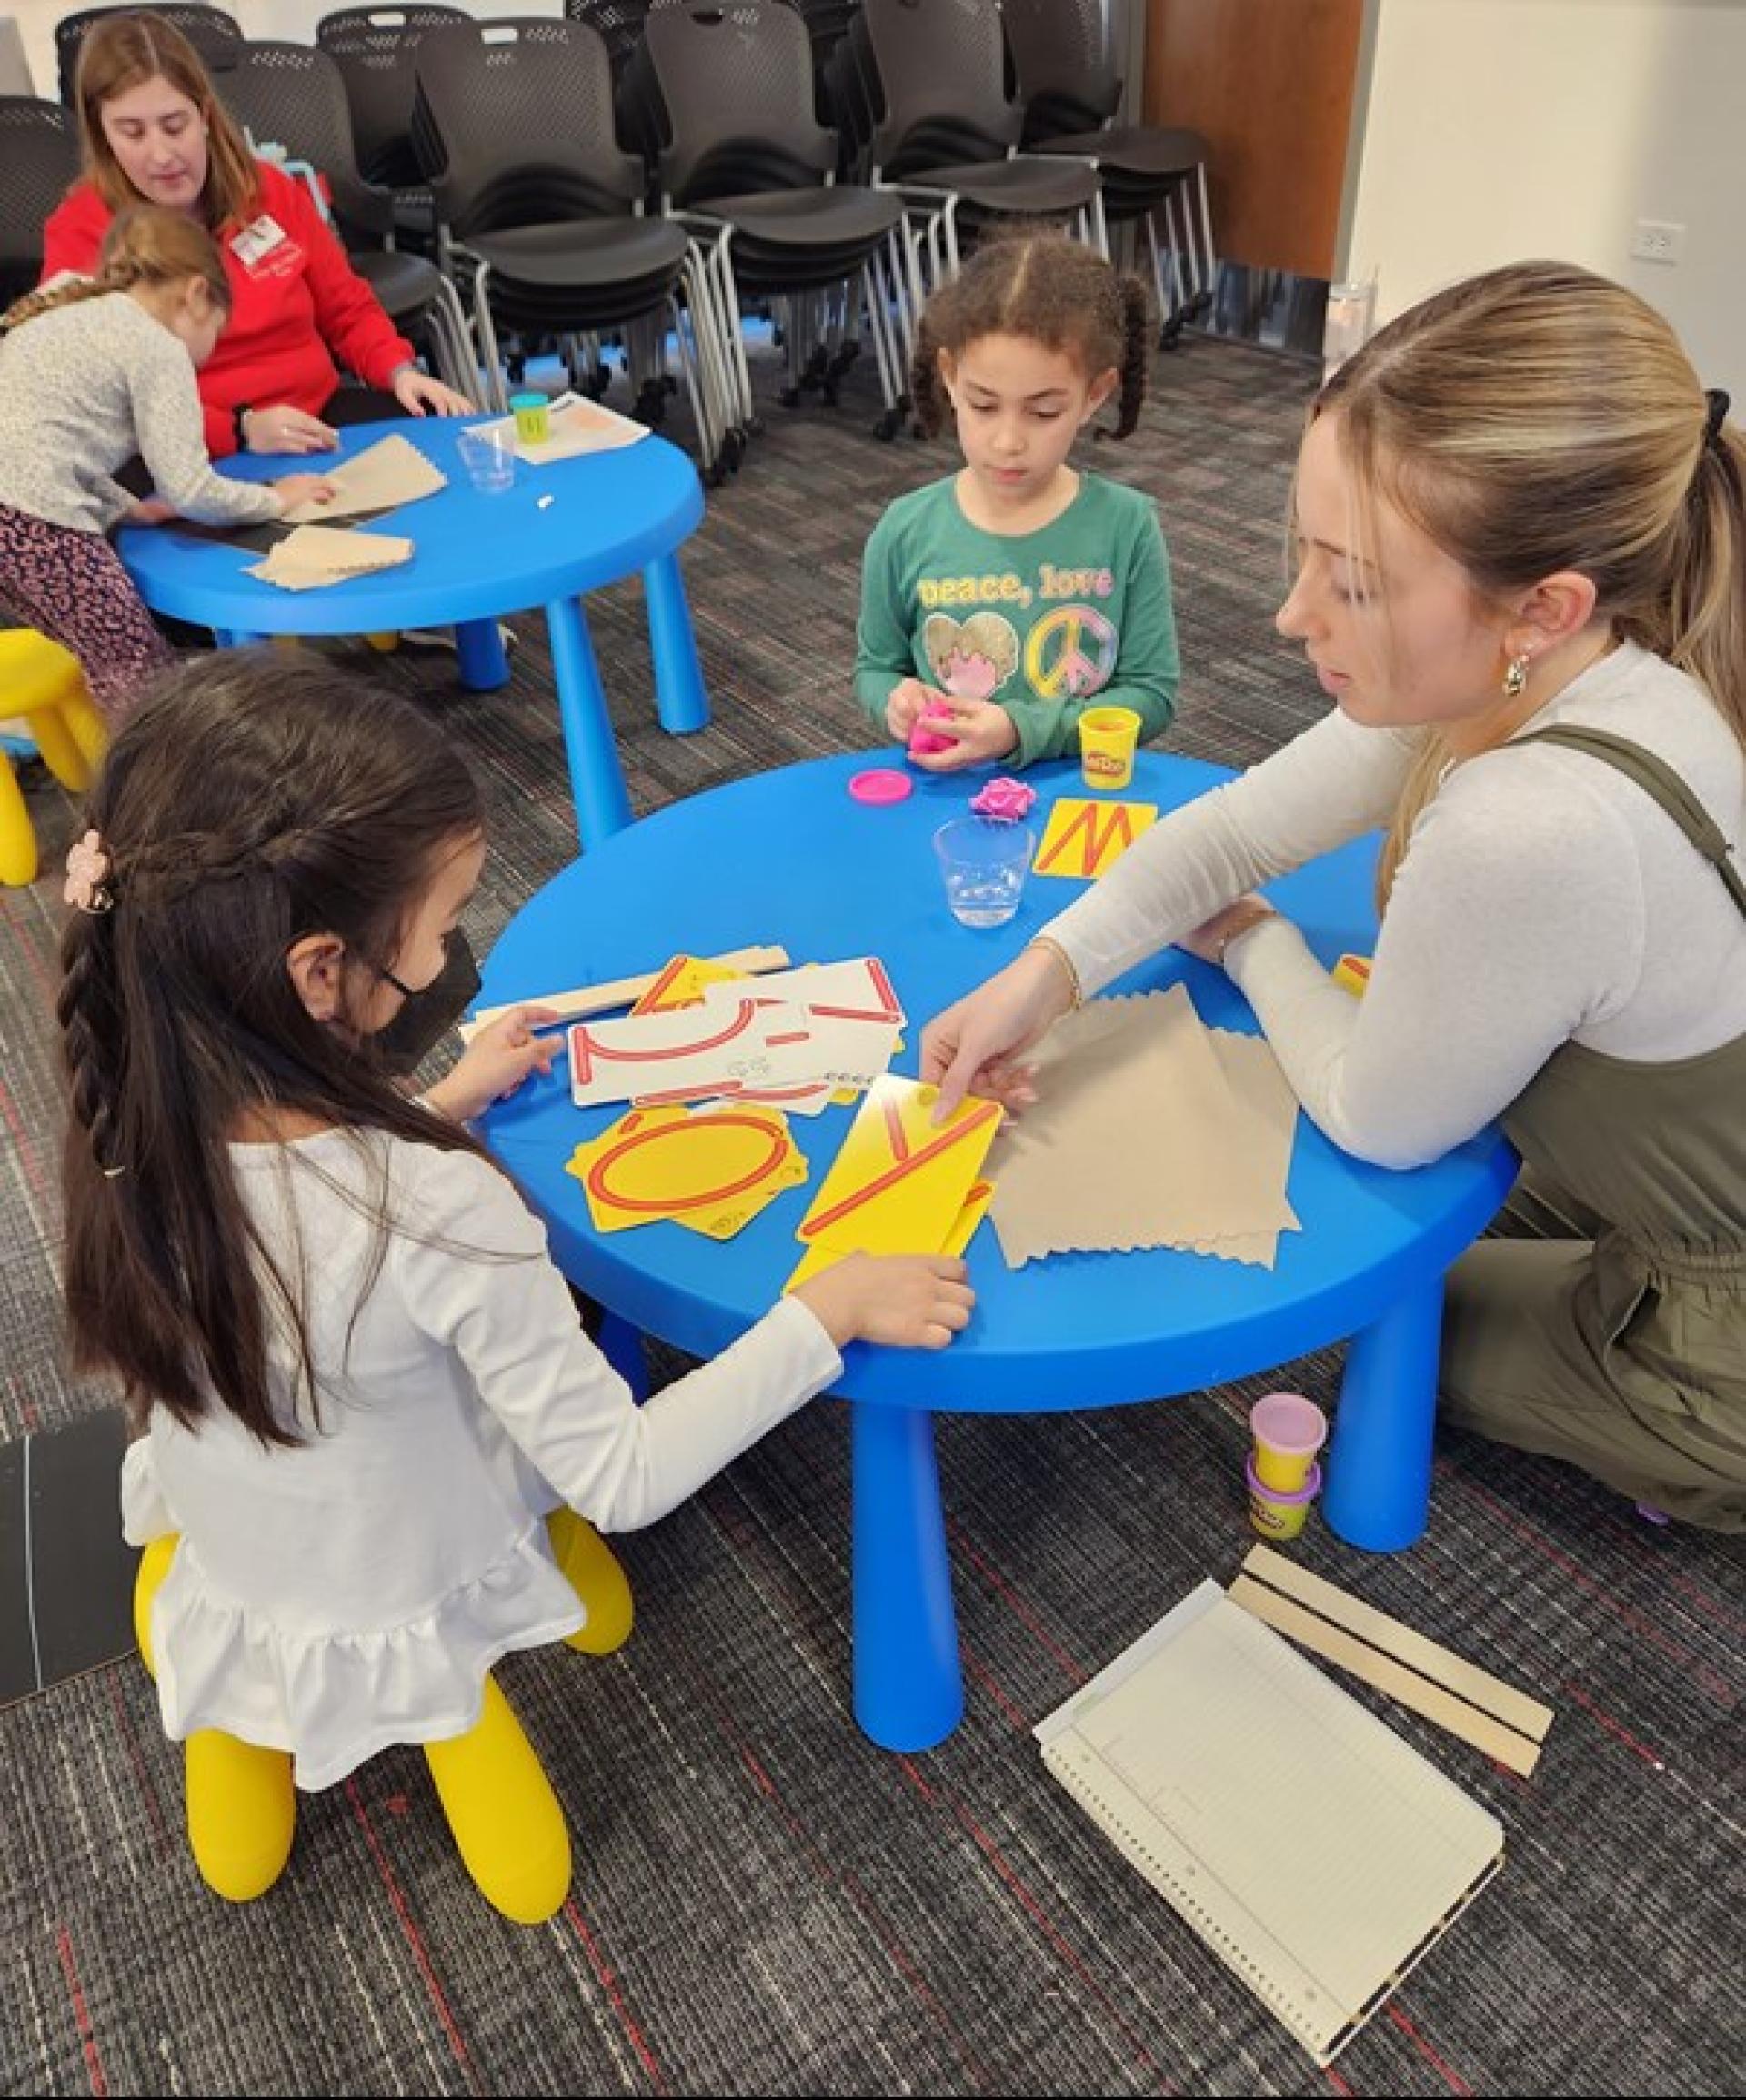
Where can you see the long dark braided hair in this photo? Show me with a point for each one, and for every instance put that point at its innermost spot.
(1034, 281)
(256, 799)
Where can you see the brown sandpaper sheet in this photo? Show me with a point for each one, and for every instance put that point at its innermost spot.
(1150, 1129)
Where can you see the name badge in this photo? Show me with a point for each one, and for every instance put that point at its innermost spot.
(257, 239)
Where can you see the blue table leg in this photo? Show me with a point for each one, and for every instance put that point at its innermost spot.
(480, 646)
(909, 1687)
(680, 696)
(1378, 1495)
(231, 638)
(597, 779)
(622, 1346)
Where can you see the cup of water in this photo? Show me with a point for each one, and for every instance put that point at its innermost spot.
(488, 454)
(983, 862)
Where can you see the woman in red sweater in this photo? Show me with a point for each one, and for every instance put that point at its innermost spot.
(154, 132)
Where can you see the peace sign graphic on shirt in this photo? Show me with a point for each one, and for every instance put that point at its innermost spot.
(1070, 653)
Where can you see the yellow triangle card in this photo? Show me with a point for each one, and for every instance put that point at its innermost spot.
(682, 983)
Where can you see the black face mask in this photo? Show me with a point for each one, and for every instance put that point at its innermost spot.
(426, 1016)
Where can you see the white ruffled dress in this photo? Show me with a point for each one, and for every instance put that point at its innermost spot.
(353, 1592)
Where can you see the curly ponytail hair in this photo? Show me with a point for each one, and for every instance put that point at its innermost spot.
(259, 798)
(1034, 281)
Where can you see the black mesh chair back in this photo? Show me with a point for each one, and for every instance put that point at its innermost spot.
(210, 30)
(39, 162)
(514, 124)
(730, 87)
(937, 69)
(617, 22)
(292, 94)
(826, 23)
(1065, 54)
(375, 49)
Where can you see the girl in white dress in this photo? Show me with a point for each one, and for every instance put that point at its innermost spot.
(371, 1427)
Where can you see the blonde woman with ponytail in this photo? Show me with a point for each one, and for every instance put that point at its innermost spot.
(1521, 524)
(94, 371)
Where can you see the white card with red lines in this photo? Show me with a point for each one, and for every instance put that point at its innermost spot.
(775, 1052)
(858, 990)
(689, 1054)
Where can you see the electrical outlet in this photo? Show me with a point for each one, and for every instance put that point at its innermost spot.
(1657, 241)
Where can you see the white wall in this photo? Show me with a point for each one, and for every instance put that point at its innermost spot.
(1501, 129)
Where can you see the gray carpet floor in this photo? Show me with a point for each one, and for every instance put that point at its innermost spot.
(763, 1901)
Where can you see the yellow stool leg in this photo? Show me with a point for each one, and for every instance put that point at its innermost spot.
(61, 753)
(242, 1813)
(154, 1566)
(508, 1827)
(17, 837)
(385, 644)
(241, 1805)
(89, 729)
(591, 1568)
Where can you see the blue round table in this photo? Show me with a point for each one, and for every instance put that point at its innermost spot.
(476, 556)
(787, 857)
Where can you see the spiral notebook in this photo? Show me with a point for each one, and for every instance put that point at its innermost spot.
(1318, 1855)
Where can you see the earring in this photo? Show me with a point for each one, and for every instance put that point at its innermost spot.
(1515, 676)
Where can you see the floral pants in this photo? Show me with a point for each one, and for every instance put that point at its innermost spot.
(72, 587)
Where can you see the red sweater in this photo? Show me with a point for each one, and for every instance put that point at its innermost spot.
(296, 311)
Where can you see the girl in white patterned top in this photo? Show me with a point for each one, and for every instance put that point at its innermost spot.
(94, 371)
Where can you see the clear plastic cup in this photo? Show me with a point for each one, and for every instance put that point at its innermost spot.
(488, 454)
(983, 863)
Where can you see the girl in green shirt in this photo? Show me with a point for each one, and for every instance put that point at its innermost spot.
(999, 603)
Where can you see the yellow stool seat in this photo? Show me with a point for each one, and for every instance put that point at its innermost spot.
(41, 681)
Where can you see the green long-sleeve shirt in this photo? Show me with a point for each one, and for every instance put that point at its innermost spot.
(1044, 623)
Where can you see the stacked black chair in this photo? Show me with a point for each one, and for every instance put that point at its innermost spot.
(1066, 57)
(376, 51)
(926, 80)
(210, 30)
(826, 23)
(291, 96)
(721, 96)
(514, 125)
(39, 162)
(617, 22)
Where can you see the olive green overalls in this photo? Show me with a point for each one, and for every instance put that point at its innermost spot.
(1607, 1324)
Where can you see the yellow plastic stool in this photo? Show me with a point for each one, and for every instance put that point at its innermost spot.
(591, 1568)
(40, 679)
(508, 1825)
(239, 1800)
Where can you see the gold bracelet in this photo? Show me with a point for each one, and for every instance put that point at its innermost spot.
(1257, 915)
(1054, 947)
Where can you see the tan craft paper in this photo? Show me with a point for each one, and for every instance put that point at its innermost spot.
(390, 472)
(1141, 1137)
(321, 554)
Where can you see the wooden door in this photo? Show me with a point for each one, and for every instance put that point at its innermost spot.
(1270, 85)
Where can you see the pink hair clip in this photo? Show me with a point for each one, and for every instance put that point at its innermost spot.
(1005, 799)
(87, 875)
